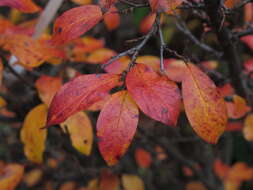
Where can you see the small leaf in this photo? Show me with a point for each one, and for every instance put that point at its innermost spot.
(80, 129)
(106, 4)
(47, 87)
(10, 176)
(143, 158)
(100, 56)
(75, 22)
(195, 185)
(248, 127)
(32, 136)
(108, 181)
(204, 107)
(26, 6)
(147, 23)
(79, 94)
(156, 96)
(167, 6)
(112, 18)
(116, 126)
(132, 182)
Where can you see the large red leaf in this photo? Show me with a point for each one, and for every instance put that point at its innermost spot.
(156, 96)
(26, 6)
(79, 94)
(75, 22)
(116, 126)
(204, 106)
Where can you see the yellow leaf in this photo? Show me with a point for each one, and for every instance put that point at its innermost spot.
(33, 177)
(80, 130)
(11, 176)
(132, 182)
(32, 135)
(248, 127)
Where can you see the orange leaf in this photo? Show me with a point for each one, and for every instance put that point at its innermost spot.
(82, 2)
(132, 182)
(26, 6)
(87, 44)
(143, 158)
(10, 176)
(79, 94)
(4, 25)
(100, 55)
(248, 12)
(150, 61)
(75, 22)
(248, 127)
(47, 87)
(231, 3)
(195, 185)
(147, 23)
(108, 181)
(112, 18)
(237, 108)
(1, 72)
(221, 169)
(116, 126)
(80, 129)
(30, 52)
(167, 6)
(156, 96)
(32, 136)
(204, 107)
(226, 90)
(33, 177)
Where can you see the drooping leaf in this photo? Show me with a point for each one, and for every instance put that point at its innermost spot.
(147, 23)
(10, 176)
(156, 96)
(248, 128)
(75, 22)
(175, 69)
(237, 107)
(143, 158)
(167, 6)
(47, 87)
(32, 136)
(112, 18)
(79, 94)
(132, 182)
(118, 66)
(204, 107)
(80, 129)
(27, 6)
(116, 126)
(150, 61)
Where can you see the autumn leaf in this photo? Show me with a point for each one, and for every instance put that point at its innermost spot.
(143, 158)
(26, 6)
(106, 4)
(80, 130)
(175, 69)
(10, 176)
(150, 61)
(32, 136)
(82, 2)
(204, 107)
(47, 87)
(147, 23)
(237, 108)
(30, 52)
(33, 177)
(248, 12)
(248, 40)
(167, 6)
(231, 3)
(118, 66)
(100, 56)
(1, 72)
(195, 185)
(112, 18)
(116, 126)
(79, 94)
(248, 127)
(108, 181)
(156, 96)
(75, 22)
(132, 182)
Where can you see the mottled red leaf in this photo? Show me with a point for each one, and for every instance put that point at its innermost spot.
(79, 94)
(26, 6)
(116, 126)
(204, 106)
(75, 22)
(156, 96)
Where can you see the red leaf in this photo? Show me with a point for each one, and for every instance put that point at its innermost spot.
(26, 6)
(156, 96)
(112, 18)
(204, 107)
(164, 5)
(147, 23)
(79, 94)
(106, 4)
(143, 158)
(116, 126)
(75, 22)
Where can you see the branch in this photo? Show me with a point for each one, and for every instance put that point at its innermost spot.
(246, 32)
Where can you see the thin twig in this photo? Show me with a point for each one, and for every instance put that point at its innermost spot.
(162, 45)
